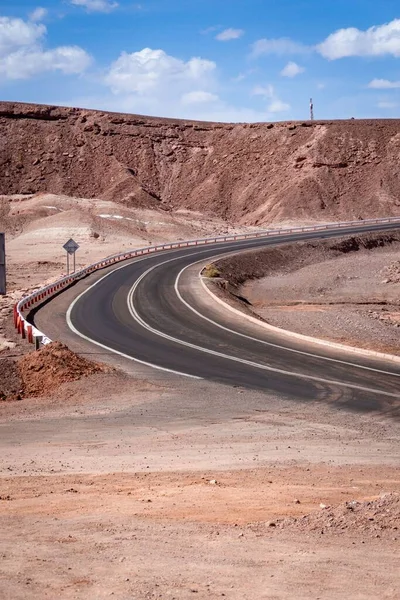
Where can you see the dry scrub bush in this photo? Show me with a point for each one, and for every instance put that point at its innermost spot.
(210, 271)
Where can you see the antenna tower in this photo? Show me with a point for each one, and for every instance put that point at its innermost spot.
(311, 110)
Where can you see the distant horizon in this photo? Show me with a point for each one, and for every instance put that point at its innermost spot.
(316, 121)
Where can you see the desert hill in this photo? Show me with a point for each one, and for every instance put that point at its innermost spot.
(247, 173)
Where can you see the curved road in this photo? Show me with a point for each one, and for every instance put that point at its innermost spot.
(146, 311)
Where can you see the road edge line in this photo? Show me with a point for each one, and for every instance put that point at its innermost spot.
(299, 336)
(88, 339)
(273, 344)
(135, 315)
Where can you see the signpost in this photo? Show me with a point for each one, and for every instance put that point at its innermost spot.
(71, 247)
(2, 264)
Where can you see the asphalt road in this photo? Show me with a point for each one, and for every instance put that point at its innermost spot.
(144, 310)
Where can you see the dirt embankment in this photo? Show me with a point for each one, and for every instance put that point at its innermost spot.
(343, 290)
(249, 173)
(379, 516)
(40, 373)
(287, 258)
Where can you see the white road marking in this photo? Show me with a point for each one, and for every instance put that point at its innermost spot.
(85, 337)
(226, 246)
(142, 362)
(271, 344)
(148, 327)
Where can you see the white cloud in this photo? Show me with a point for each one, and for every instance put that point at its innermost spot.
(22, 54)
(375, 41)
(16, 33)
(383, 84)
(267, 91)
(279, 46)
(229, 34)
(151, 82)
(96, 5)
(210, 29)
(199, 97)
(217, 111)
(23, 65)
(38, 14)
(387, 104)
(154, 71)
(244, 75)
(292, 69)
(276, 104)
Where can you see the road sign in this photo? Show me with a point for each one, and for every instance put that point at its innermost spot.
(2, 264)
(71, 246)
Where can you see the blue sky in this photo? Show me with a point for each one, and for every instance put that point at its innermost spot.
(226, 60)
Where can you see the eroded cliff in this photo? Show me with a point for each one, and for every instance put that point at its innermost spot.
(248, 173)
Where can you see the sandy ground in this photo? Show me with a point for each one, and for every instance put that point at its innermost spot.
(119, 487)
(347, 300)
(38, 225)
(322, 290)
(138, 485)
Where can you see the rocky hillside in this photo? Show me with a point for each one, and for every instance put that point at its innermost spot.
(249, 173)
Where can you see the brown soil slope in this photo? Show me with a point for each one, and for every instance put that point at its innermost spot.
(252, 173)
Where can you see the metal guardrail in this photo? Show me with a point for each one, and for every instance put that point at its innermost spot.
(26, 304)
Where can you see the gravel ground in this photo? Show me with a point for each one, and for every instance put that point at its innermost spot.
(351, 296)
(116, 487)
(342, 299)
